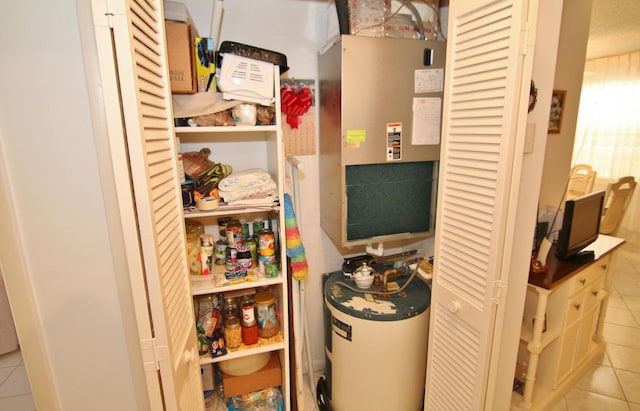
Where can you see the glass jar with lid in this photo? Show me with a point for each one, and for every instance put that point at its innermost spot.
(267, 314)
(232, 332)
(230, 308)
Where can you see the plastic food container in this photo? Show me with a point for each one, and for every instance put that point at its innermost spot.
(245, 365)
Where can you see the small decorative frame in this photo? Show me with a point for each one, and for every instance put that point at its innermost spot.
(557, 110)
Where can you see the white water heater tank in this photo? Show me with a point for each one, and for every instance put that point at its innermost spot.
(375, 346)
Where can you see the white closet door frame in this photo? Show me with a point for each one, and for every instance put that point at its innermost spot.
(134, 73)
(489, 63)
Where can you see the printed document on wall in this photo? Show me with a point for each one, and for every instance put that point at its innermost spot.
(426, 120)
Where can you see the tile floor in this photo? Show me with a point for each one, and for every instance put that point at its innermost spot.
(613, 384)
(15, 393)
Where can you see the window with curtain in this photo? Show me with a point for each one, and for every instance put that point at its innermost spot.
(608, 128)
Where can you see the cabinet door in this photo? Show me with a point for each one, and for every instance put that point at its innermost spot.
(584, 341)
(485, 107)
(568, 337)
(137, 101)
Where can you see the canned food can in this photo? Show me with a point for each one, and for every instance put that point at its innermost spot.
(253, 248)
(266, 243)
(221, 249)
(243, 257)
(222, 226)
(245, 231)
(257, 226)
(234, 233)
(268, 266)
(231, 258)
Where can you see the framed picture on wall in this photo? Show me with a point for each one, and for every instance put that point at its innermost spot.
(557, 109)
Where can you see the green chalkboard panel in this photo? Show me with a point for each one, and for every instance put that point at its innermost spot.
(389, 198)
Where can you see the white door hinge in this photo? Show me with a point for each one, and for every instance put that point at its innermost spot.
(152, 354)
(524, 41)
(499, 293)
(113, 8)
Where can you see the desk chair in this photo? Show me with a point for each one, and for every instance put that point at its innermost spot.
(616, 202)
(581, 181)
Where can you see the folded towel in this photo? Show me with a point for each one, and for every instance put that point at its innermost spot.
(245, 184)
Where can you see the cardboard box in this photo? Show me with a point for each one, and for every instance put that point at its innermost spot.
(268, 376)
(180, 53)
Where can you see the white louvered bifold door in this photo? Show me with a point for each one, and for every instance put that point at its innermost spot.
(483, 93)
(160, 279)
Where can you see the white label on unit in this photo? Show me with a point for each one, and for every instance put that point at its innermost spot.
(426, 120)
(394, 141)
(428, 80)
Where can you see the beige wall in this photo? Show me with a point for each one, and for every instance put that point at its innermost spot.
(574, 32)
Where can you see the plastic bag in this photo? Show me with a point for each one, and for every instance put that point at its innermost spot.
(269, 399)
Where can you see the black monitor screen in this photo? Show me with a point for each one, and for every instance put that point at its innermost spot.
(580, 223)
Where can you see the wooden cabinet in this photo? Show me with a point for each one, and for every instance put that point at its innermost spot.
(561, 335)
(247, 147)
(577, 336)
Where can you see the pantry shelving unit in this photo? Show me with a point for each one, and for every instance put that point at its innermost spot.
(245, 147)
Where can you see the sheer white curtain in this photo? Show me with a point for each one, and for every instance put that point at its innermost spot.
(608, 129)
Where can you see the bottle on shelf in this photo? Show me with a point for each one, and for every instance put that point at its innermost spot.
(249, 323)
(206, 253)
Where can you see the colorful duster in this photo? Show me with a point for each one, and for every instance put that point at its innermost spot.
(295, 249)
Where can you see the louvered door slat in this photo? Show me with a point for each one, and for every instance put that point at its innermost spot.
(150, 81)
(147, 37)
(147, 52)
(154, 112)
(477, 112)
(150, 71)
(148, 98)
(143, 13)
(481, 79)
(155, 137)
